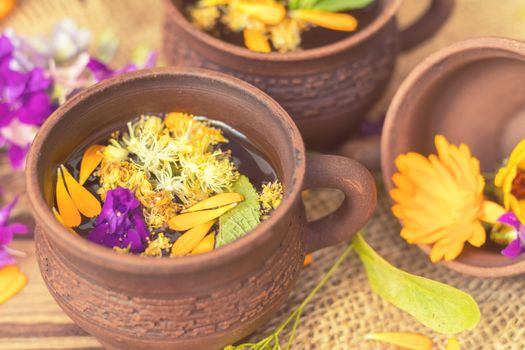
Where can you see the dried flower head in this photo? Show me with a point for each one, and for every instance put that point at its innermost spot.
(271, 195)
(157, 246)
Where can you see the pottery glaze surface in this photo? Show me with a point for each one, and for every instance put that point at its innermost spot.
(327, 90)
(473, 93)
(204, 301)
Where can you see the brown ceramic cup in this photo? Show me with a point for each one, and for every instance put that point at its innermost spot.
(471, 92)
(327, 90)
(204, 301)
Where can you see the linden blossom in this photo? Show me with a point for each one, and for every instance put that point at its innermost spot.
(164, 185)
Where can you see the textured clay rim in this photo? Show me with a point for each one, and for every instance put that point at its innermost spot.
(81, 247)
(390, 10)
(423, 75)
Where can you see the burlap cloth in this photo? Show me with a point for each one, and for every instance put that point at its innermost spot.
(345, 309)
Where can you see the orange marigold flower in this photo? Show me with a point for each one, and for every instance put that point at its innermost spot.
(439, 199)
(511, 180)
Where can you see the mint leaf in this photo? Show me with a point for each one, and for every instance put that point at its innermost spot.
(336, 5)
(243, 218)
(436, 305)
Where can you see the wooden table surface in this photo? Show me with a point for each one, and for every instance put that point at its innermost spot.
(33, 320)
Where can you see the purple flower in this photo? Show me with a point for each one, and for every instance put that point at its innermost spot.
(517, 246)
(121, 223)
(7, 232)
(24, 99)
(101, 71)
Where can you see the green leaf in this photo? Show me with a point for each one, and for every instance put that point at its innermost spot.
(438, 306)
(340, 5)
(302, 4)
(244, 217)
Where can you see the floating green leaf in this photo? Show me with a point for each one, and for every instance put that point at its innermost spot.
(244, 217)
(438, 306)
(329, 5)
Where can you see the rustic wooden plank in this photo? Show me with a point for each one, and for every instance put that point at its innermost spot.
(30, 343)
(32, 319)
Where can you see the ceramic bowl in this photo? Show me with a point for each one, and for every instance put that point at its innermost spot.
(205, 301)
(327, 90)
(471, 92)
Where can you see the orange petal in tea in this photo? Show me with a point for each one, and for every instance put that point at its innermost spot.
(90, 160)
(84, 200)
(216, 201)
(452, 344)
(271, 13)
(190, 239)
(12, 280)
(330, 20)
(256, 41)
(308, 260)
(411, 341)
(187, 221)
(68, 211)
(206, 245)
(57, 215)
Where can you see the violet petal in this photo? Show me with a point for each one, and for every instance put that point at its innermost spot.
(513, 250)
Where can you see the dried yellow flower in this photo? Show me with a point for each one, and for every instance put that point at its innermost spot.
(205, 17)
(286, 36)
(271, 195)
(158, 245)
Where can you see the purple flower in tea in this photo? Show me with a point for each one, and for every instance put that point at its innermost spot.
(517, 246)
(7, 232)
(121, 223)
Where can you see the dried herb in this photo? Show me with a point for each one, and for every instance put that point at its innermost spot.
(243, 218)
(436, 305)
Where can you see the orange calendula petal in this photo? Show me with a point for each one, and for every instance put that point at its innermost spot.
(206, 245)
(90, 160)
(271, 13)
(12, 280)
(330, 20)
(452, 344)
(67, 209)
(308, 260)
(256, 41)
(190, 239)
(412, 341)
(187, 221)
(57, 215)
(6, 7)
(84, 200)
(216, 201)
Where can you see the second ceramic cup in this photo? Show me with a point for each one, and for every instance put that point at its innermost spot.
(327, 90)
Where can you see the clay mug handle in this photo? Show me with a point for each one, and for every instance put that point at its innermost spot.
(427, 25)
(347, 175)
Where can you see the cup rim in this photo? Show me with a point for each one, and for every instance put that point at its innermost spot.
(80, 246)
(431, 66)
(391, 8)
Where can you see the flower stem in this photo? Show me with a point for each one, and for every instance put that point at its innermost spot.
(274, 337)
